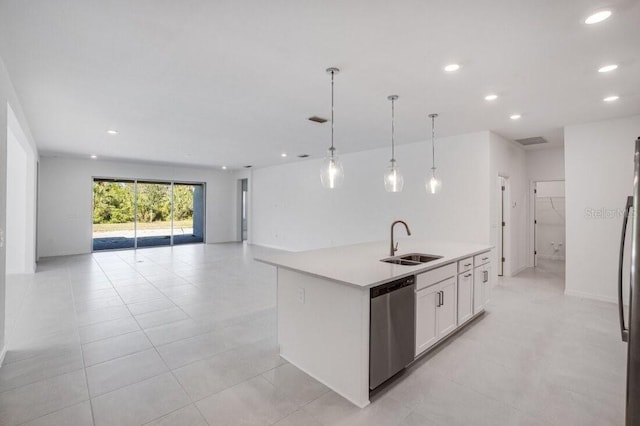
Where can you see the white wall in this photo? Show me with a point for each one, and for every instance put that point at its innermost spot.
(599, 177)
(21, 197)
(545, 164)
(292, 211)
(65, 216)
(8, 99)
(508, 159)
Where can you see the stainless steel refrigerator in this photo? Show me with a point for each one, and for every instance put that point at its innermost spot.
(631, 331)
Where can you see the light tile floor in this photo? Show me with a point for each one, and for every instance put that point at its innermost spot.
(186, 336)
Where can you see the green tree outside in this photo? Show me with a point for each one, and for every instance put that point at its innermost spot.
(113, 202)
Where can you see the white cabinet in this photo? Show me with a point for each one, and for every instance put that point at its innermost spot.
(427, 301)
(481, 286)
(447, 311)
(465, 296)
(436, 313)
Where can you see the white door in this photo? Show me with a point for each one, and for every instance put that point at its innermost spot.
(426, 325)
(486, 283)
(447, 311)
(465, 296)
(478, 290)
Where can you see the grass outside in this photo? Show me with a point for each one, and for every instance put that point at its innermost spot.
(108, 227)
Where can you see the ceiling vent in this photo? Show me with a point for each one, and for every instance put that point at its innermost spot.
(317, 119)
(303, 155)
(536, 140)
(247, 167)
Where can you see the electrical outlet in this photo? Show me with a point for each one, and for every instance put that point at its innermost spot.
(301, 295)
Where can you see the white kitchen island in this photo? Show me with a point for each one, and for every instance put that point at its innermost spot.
(323, 299)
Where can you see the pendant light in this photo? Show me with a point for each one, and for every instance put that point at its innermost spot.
(393, 180)
(434, 185)
(331, 172)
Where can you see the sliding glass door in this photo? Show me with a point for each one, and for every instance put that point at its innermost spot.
(188, 215)
(153, 214)
(136, 214)
(113, 214)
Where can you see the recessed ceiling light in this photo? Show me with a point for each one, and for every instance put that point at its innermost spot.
(515, 116)
(608, 68)
(491, 97)
(597, 17)
(224, 167)
(112, 132)
(452, 67)
(283, 155)
(611, 98)
(93, 157)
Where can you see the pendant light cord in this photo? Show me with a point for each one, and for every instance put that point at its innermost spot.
(393, 129)
(433, 145)
(332, 148)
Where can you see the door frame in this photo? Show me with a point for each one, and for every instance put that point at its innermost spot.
(533, 261)
(135, 207)
(503, 222)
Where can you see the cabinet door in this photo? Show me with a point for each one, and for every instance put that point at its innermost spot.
(486, 283)
(478, 289)
(447, 311)
(465, 296)
(426, 325)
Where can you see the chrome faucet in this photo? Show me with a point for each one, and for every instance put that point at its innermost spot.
(394, 247)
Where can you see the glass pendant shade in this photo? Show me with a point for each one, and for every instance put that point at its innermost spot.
(434, 185)
(331, 172)
(393, 180)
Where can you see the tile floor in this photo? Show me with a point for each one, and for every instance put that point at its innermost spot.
(186, 336)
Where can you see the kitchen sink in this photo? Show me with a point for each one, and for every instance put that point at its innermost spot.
(411, 259)
(419, 257)
(398, 261)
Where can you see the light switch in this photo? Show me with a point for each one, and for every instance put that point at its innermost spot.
(1, 237)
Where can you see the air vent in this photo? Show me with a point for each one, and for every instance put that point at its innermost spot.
(536, 140)
(317, 119)
(247, 167)
(303, 155)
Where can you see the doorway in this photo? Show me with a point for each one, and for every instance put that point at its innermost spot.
(134, 213)
(503, 223)
(549, 226)
(244, 211)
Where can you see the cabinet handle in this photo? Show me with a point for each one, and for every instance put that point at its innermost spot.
(442, 298)
(485, 276)
(439, 299)
(485, 258)
(467, 276)
(467, 264)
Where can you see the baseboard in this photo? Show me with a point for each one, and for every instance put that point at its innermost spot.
(591, 296)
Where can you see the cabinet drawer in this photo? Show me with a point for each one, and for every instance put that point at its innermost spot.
(465, 264)
(435, 276)
(482, 258)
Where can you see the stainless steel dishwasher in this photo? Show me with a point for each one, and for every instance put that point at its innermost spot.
(392, 329)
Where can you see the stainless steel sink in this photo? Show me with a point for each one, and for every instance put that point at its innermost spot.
(419, 257)
(400, 261)
(411, 259)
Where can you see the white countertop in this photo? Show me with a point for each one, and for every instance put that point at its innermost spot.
(360, 264)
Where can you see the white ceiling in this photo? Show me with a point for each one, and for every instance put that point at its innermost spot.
(233, 82)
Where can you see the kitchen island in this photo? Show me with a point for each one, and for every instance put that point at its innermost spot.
(323, 303)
